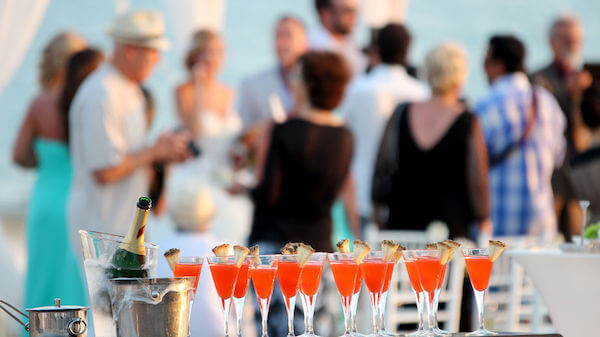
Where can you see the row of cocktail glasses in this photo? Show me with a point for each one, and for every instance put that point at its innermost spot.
(426, 270)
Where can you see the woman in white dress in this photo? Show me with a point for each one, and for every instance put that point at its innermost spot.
(205, 108)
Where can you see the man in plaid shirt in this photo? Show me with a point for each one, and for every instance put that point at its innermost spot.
(524, 132)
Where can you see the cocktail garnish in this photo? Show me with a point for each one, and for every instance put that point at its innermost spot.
(172, 256)
(290, 248)
(432, 245)
(240, 253)
(388, 248)
(398, 254)
(304, 252)
(454, 245)
(343, 246)
(445, 252)
(496, 248)
(253, 253)
(361, 249)
(222, 250)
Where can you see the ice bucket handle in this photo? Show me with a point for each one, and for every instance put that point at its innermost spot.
(2, 303)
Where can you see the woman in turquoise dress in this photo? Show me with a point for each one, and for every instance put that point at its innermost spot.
(42, 143)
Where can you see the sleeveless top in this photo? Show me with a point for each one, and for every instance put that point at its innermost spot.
(431, 184)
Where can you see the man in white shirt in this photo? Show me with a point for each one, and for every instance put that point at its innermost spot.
(191, 210)
(108, 129)
(257, 91)
(370, 101)
(338, 18)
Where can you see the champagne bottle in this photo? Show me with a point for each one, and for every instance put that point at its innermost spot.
(129, 259)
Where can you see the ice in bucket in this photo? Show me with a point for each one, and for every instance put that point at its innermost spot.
(98, 249)
(151, 307)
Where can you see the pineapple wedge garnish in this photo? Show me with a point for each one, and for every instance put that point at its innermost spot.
(454, 245)
(343, 246)
(432, 246)
(388, 248)
(222, 250)
(445, 252)
(253, 252)
(361, 249)
(304, 253)
(290, 248)
(398, 254)
(496, 248)
(172, 256)
(240, 253)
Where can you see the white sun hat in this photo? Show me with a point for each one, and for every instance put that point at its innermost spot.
(144, 28)
(191, 206)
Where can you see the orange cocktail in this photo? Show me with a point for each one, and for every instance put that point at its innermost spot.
(430, 270)
(241, 285)
(189, 268)
(410, 261)
(264, 270)
(345, 272)
(479, 269)
(310, 278)
(413, 274)
(224, 272)
(374, 271)
(288, 276)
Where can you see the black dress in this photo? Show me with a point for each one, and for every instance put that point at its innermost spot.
(431, 184)
(305, 169)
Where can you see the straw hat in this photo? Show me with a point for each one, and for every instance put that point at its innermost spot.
(142, 28)
(192, 207)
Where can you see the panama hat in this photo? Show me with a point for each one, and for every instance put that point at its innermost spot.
(142, 28)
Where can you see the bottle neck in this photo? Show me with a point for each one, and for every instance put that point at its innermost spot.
(134, 241)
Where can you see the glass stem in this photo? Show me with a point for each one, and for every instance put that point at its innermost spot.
(436, 299)
(226, 304)
(374, 299)
(264, 314)
(353, 307)
(420, 297)
(382, 304)
(290, 305)
(479, 297)
(238, 304)
(429, 305)
(346, 301)
(308, 302)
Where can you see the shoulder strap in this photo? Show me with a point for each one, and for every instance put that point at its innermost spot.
(529, 124)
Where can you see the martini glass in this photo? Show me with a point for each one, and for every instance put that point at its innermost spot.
(374, 271)
(189, 267)
(345, 272)
(264, 271)
(429, 268)
(479, 268)
(354, 304)
(310, 278)
(224, 272)
(239, 294)
(415, 282)
(383, 298)
(288, 276)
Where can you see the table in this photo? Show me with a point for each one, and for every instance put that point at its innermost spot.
(568, 284)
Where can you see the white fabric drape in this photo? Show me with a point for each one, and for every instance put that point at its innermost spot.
(377, 14)
(184, 17)
(19, 21)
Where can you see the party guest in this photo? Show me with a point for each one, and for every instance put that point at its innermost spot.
(371, 100)
(523, 127)
(42, 144)
(107, 130)
(257, 90)
(432, 163)
(335, 33)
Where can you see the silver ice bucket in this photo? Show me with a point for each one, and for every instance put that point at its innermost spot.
(151, 307)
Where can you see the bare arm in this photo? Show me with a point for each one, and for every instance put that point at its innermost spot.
(477, 175)
(348, 196)
(186, 104)
(23, 154)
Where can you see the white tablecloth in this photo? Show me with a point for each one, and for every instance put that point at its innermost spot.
(569, 284)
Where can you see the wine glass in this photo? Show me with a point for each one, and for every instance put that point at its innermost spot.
(415, 282)
(389, 272)
(479, 268)
(374, 269)
(344, 271)
(224, 271)
(354, 304)
(310, 278)
(239, 294)
(264, 271)
(288, 276)
(189, 267)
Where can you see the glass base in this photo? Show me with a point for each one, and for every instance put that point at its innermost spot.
(481, 332)
(357, 334)
(440, 332)
(417, 333)
(308, 335)
(385, 333)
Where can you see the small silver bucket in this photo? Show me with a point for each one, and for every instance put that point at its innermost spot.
(151, 307)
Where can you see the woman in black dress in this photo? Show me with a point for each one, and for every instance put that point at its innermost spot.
(432, 163)
(308, 160)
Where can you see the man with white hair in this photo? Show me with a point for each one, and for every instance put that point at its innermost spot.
(191, 209)
(108, 130)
